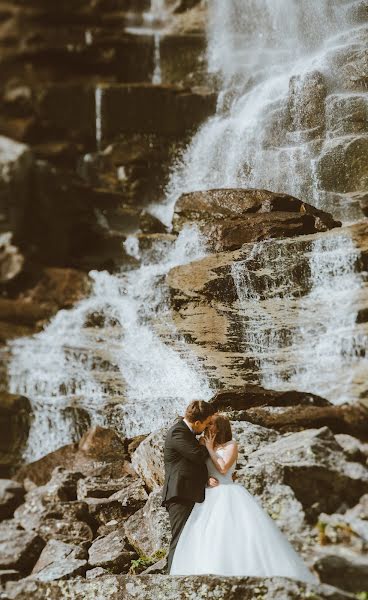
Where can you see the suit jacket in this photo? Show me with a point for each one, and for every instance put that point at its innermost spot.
(185, 466)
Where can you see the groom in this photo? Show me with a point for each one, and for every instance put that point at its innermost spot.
(186, 472)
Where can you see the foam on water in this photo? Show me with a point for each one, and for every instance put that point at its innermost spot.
(105, 357)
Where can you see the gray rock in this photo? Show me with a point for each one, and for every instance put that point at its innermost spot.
(148, 530)
(342, 166)
(130, 496)
(99, 487)
(96, 572)
(111, 552)
(11, 260)
(60, 561)
(353, 448)
(9, 575)
(15, 421)
(11, 496)
(251, 438)
(19, 549)
(148, 459)
(343, 568)
(315, 467)
(154, 587)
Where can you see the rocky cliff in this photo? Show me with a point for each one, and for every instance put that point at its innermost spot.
(182, 214)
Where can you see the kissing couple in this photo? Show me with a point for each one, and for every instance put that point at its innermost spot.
(217, 526)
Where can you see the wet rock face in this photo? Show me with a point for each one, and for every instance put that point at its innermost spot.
(231, 218)
(148, 530)
(16, 162)
(240, 310)
(60, 561)
(15, 420)
(19, 549)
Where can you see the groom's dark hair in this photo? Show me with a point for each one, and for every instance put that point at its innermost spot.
(199, 410)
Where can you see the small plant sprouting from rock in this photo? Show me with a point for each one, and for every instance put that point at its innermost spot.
(142, 563)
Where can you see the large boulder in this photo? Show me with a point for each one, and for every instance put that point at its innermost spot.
(150, 587)
(53, 511)
(314, 466)
(60, 561)
(254, 315)
(111, 552)
(148, 459)
(15, 421)
(100, 453)
(16, 163)
(164, 110)
(232, 217)
(342, 166)
(148, 530)
(19, 549)
(292, 411)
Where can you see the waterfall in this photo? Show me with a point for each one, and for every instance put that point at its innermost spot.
(108, 357)
(98, 113)
(157, 77)
(299, 303)
(116, 357)
(274, 63)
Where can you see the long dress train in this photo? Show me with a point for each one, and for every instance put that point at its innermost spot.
(230, 534)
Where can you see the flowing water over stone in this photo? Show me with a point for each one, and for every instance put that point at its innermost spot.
(105, 358)
(300, 304)
(117, 355)
(278, 62)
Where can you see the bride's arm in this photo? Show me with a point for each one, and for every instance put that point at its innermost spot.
(230, 455)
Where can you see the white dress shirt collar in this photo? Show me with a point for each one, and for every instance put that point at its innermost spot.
(188, 425)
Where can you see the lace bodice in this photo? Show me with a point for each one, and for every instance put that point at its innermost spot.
(213, 472)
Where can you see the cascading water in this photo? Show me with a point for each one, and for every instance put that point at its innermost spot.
(107, 358)
(300, 301)
(274, 60)
(109, 354)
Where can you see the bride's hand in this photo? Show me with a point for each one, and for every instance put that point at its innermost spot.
(210, 440)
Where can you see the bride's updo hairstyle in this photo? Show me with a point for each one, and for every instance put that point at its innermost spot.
(222, 428)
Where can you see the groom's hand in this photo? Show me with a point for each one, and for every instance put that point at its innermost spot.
(212, 482)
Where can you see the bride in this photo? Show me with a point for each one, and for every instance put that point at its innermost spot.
(229, 533)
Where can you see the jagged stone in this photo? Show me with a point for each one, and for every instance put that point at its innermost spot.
(111, 552)
(232, 217)
(19, 549)
(16, 165)
(60, 561)
(313, 464)
(130, 497)
(15, 421)
(148, 459)
(150, 587)
(148, 530)
(342, 166)
(11, 496)
(100, 453)
(342, 568)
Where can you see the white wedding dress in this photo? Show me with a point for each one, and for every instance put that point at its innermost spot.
(230, 534)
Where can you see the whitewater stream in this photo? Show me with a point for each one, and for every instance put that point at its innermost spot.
(116, 357)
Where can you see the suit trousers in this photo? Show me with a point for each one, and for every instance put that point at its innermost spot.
(179, 512)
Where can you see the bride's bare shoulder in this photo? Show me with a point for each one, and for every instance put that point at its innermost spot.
(231, 444)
